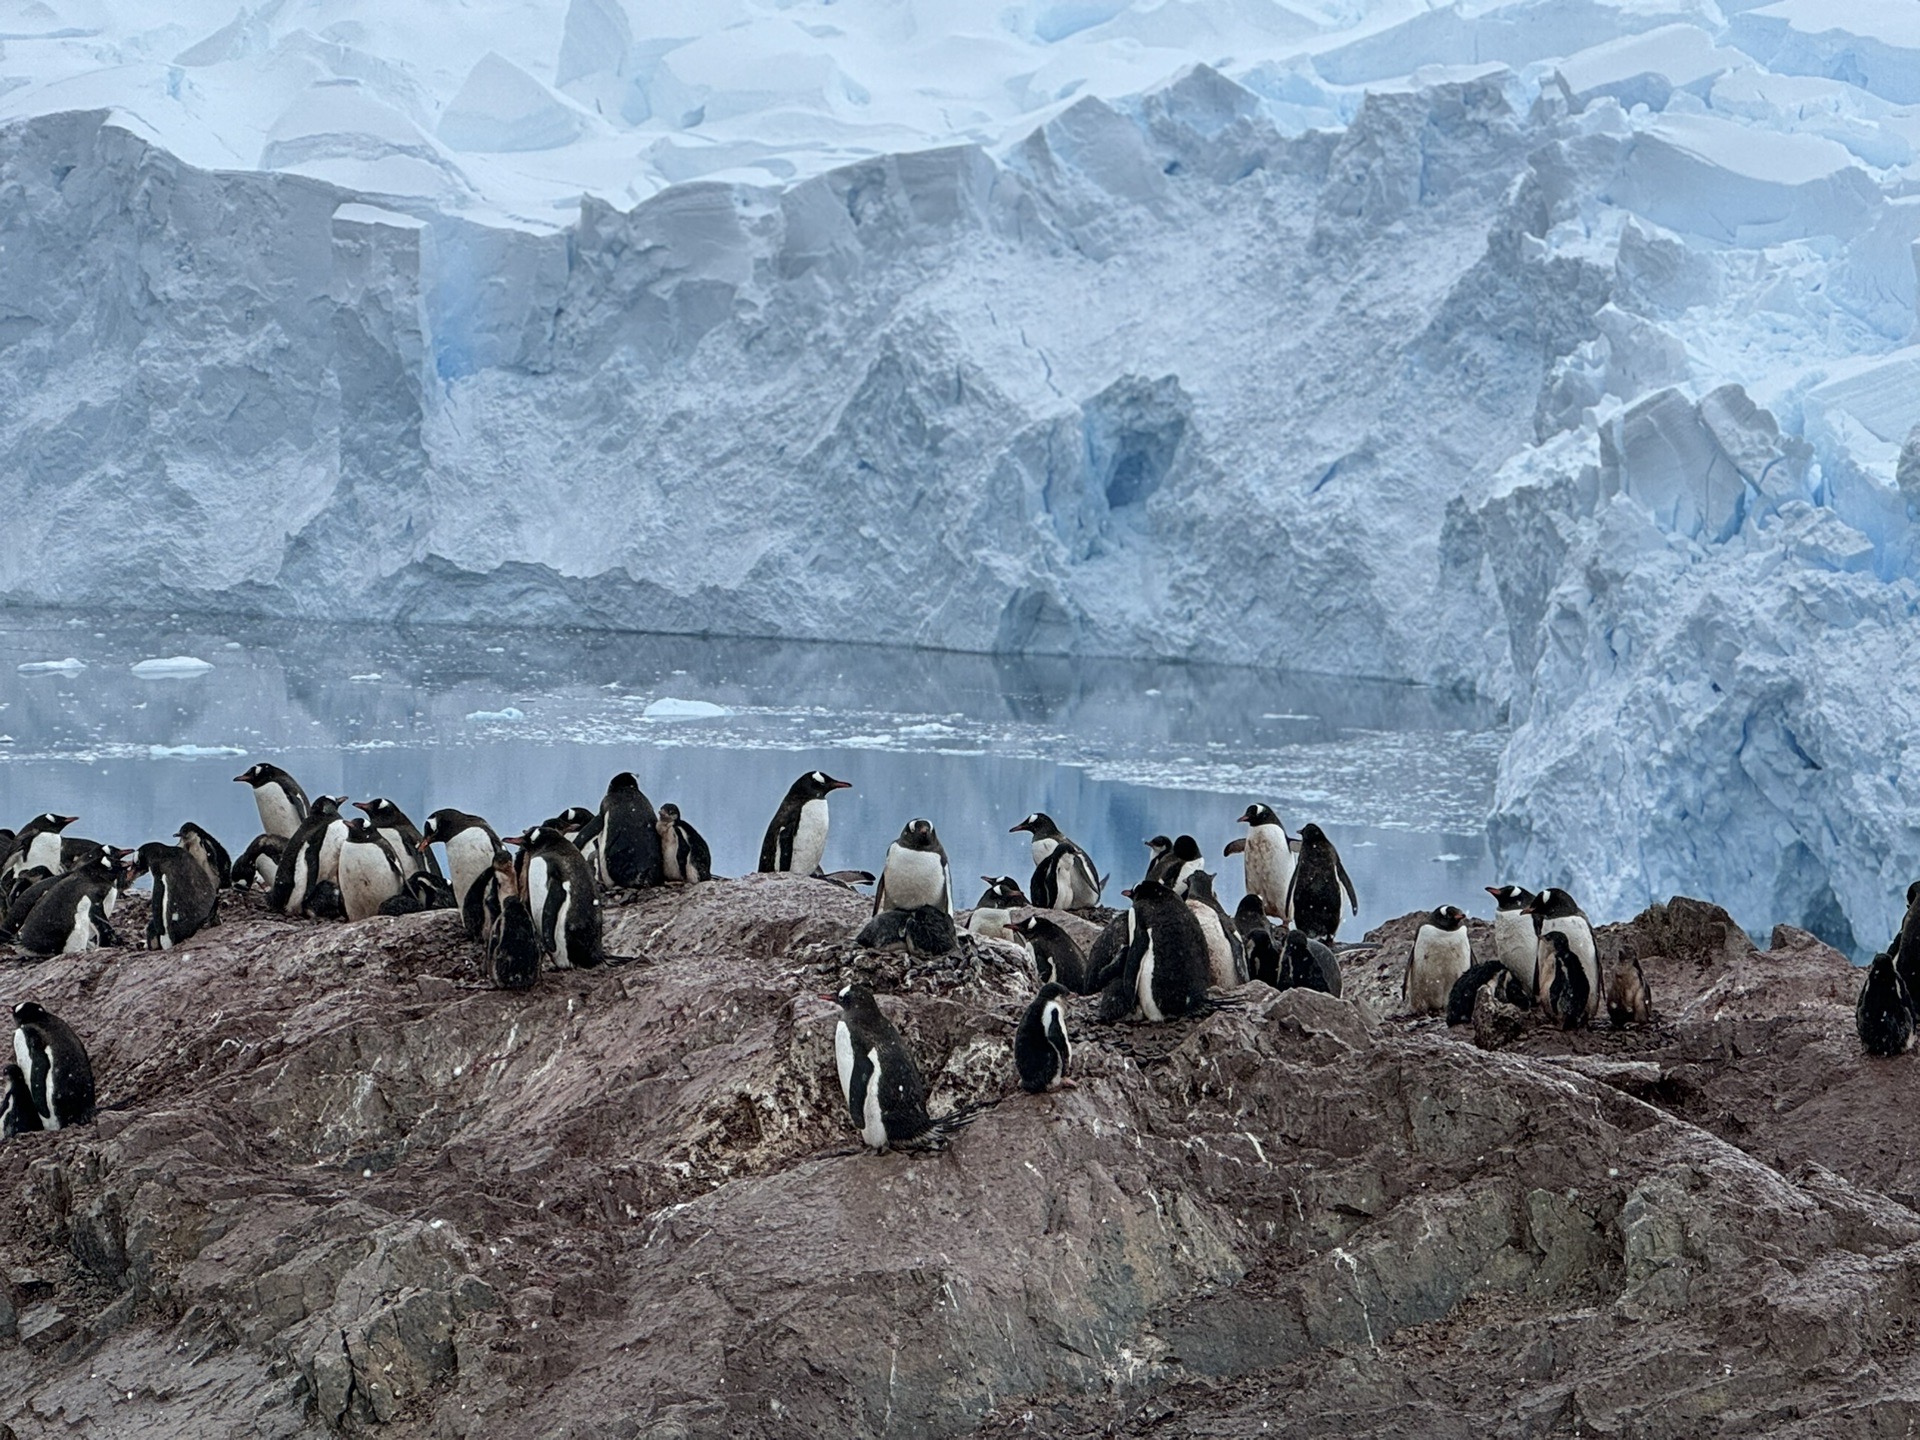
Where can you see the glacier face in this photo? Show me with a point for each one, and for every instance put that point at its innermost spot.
(1560, 349)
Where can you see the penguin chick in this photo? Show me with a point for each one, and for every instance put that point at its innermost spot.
(1882, 1016)
(1056, 959)
(1629, 997)
(1307, 964)
(58, 1072)
(1040, 1046)
(1466, 990)
(1562, 981)
(684, 856)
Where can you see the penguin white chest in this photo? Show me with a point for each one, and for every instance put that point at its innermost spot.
(44, 850)
(404, 856)
(277, 813)
(873, 1129)
(809, 837)
(1440, 957)
(1269, 864)
(670, 852)
(843, 1060)
(469, 855)
(915, 878)
(81, 937)
(1077, 885)
(992, 924)
(1513, 944)
(328, 865)
(1143, 983)
(1219, 952)
(1043, 848)
(539, 879)
(366, 879)
(1580, 942)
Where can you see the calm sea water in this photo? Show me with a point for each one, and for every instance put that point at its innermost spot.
(515, 725)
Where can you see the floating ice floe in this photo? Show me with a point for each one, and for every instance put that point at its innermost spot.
(669, 708)
(172, 667)
(68, 666)
(192, 752)
(484, 717)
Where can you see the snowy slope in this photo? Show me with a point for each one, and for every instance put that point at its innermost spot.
(1561, 349)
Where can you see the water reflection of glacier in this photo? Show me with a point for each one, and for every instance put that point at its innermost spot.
(515, 724)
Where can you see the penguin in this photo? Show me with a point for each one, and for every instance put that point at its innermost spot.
(418, 893)
(1441, 954)
(1562, 981)
(1063, 875)
(258, 862)
(1306, 964)
(1056, 959)
(1313, 894)
(1108, 956)
(512, 937)
(1516, 943)
(1166, 969)
(1883, 1015)
(1250, 918)
(1466, 990)
(369, 876)
(570, 822)
(400, 835)
(1041, 1049)
(208, 853)
(916, 872)
(18, 1114)
(925, 932)
(35, 883)
(684, 857)
(326, 902)
(311, 858)
(37, 843)
(278, 797)
(629, 840)
(1629, 997)
(1172, 867)
(557, 885)
(471, 844)
(70, 915)
(1905, 948)
(1158, 848)
(59, 1075)
(1225, 961)
(992, 918)
(797, 835)
(1268, 857)
(885, 1096)
(1262, 955)
(1554, 911)
(185, 896)
(15, 890)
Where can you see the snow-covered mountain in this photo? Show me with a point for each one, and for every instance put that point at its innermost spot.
(1563, 349)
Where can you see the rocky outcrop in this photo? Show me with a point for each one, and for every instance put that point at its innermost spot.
(338, 1184)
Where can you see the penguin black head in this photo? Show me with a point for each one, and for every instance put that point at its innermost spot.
(1052, 990)
(1159, 844)
(1200, 886)
(919, 835)
(624, 781)
(1913, 893)
(1311, 834)
(50, 821)
(1039, 825)
(1553, 903)
(570, 819)
(1003, 892)
(1447, 917)
(1558, 940)
(854, 998)
(380, 810)
(1258, 815)
(359, 830)
(1186, 848)
(669, 814)
(1150, 892)
(817, 785)
(1250, 913)
(326, 805)
(29, 1012)
(1511, 897)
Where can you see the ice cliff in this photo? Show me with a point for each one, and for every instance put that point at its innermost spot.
(1561, 349)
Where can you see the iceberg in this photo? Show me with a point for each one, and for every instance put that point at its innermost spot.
(68, 666)
(172, 667)
(496, 717)
(669, 708)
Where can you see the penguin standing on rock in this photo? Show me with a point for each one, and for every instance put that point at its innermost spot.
(512, 937)
(557, 885)
(1905, 948)
(629, 839)
(1166, 969)
(1267, 855)
(310, 861)
(1555, 912)
(1056, 958)
(1225, 961)
(1041, 1049)
(1562, 981)
(1313, 894)
(471, 845)
(1516, 942)
(1629, 997)
(184, 897)
(1883, 1016)
(400, 835)
(1441, 954)
(369, 875)
(1466, 990)
(59, 1075)
(1063, 875)
(684, 856)
(1306, 964)
(278, 797)
(916, 872)
(1172, 866)
(208, 853)
(885, 1097)
(796, 837)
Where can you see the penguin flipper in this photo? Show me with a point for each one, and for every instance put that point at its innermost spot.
(1341, 871)
(857, 1084)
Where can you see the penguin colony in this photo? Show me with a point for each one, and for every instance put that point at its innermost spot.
(534, 900)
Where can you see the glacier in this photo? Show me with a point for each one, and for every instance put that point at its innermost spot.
(1564, 351)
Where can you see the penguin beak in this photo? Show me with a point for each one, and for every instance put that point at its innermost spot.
(1128, 892)
(513, 839)
(240, 780)
(838, 785)
(426, 844)
(365, 806)
(1493, 890)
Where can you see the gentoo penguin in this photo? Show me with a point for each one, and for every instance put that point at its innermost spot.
(797, 835)
(1313, 894)
(71, 914)
(471, 844)
(258, 862)
(925, 932)
(1441, 954)
(20, 901)
(916, 872)
(1158, 849)
(1629, 997)
(420, 891)
(558, 887)
(1882, 1015)
(684, 856)
(1056, 959)
(1554, 911)
(1516, 941)
(993, 916)
(886, 1098)
(1562, 982)
(311, 858)
(629, 840)
(1250, 918)
(1108, 956)
(1172, 867)
(1040, 1045)
(325, 902)
(1466, 990)
(1225, 963)
(1166, 970)
(369, 876)
(1262, 954)
(59, 1075)
(184, 894)
(207, 852)
(278, 797)
(512, 937)
(1268, 857)
(1905, 948)
(1063, 875)
(1307, 964)
(399, 834)
(18, 1114)
(37, 843)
